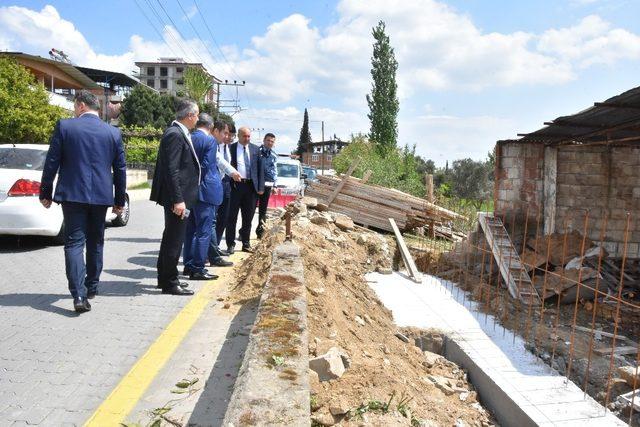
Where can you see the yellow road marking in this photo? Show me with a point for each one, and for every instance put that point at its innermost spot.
(133, 385)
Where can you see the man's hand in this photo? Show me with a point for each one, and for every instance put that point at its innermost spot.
(236, 176)
(118, 210)
(46, 203)
(178, 209)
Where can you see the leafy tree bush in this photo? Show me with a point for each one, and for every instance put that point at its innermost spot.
(396, 168)
(144, 107)
(197, 83)
(26, 115)
(141, 144)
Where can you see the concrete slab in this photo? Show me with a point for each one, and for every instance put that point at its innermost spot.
(517, 386)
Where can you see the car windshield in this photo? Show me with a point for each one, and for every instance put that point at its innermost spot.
(311, 173)
(287, 171)
(22, 158)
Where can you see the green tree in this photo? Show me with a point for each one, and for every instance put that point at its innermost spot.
(197, 82)
(383, 100)
(470, 180)
(211, 109)
(145, 107)
(305, 135)
(27, 116)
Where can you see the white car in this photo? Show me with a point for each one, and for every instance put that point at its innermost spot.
(20, 210)
(289, 178)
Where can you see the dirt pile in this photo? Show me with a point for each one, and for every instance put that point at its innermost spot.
(380, 376)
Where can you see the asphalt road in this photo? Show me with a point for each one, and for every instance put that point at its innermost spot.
(56, 367)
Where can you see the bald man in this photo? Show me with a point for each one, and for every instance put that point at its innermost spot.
(246, 159)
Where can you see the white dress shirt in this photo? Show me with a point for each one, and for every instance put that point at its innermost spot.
(224, 166)
(242, 168)
(186, 133)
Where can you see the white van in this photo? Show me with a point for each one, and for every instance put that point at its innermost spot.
(289, 178)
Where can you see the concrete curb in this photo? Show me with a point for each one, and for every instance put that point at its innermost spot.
(273, 384)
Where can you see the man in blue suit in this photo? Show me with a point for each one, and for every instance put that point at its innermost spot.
(200, 227)
(246, 159)
(88, 157)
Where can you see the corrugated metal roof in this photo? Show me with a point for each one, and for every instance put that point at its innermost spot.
(109, 77)
(614, 121)
(67, 68)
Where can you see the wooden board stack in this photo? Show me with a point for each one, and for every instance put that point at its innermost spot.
(373, 205)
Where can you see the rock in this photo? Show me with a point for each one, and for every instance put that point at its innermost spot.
(314, 382)
(316, 291)
(401, 337)
(310, 202)
(630, 374)
(362, 239)
(442, 383)
(323, 417)
(227, 305)
(619, 386)
(330, 365)
(432, 342)
(384, 270)
(344, 223)
(302, 209)
(322, 207)
(339, 406)
(431, 359)
(303, 221)
(319, 220)
(360, 321)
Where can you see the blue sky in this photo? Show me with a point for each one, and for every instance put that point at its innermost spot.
(470, 71)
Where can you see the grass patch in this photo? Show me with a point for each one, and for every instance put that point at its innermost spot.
(142, 186)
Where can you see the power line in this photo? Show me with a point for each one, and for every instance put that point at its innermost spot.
(195, 30)
(182, 38)
(154, 27)
(163, 24)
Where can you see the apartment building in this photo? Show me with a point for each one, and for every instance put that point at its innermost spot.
(166, 75)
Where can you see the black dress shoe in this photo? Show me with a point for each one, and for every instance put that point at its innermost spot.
(221, 263)
(177, 290)
(182, 285)
(247, 248)
(81, 305)
(92, 294)
(202, 275)
(187, 271)
(230, 250)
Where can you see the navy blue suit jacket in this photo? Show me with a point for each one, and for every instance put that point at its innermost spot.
(88, 156)
(210, 190)
(256, 169)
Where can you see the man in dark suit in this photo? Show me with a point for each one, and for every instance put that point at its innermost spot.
(175, 187)
(222, 215)
(246, 159)
(88, 156)
(201, 224)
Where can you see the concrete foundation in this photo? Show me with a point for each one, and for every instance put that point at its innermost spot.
(515, 385)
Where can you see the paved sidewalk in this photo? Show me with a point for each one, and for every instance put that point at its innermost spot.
(57, 367)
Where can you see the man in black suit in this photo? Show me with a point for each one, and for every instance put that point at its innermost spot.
(246, 159)
(175, 187)
(87, 155)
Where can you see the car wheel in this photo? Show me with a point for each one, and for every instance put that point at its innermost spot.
(59, 238)
(122, 219)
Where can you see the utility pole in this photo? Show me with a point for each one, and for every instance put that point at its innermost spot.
(322, 148)
(235, 106)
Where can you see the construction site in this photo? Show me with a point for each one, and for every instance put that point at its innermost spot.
(402, 312)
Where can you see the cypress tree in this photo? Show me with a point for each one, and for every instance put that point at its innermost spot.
(305, 135)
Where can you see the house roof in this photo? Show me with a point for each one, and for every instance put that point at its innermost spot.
(614, 121)
(109, 77)
(65, 67)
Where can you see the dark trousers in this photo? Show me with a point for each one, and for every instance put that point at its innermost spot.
(222, 215)
(83, 225)
(170, 248)
(263, 200)
(243, 200)
(198, 236)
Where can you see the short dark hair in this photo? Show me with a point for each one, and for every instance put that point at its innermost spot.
(88, 99)
(204, 121)
(232, 128)
(184, 108)
(268, 135)
(219, 125)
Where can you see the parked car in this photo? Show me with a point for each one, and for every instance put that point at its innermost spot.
(310, 173)
(289, 179)
(20, 210)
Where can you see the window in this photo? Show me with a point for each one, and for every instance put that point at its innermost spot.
(180, 82)
(151, 83)
(329, 157)
(315, 157)
(163, 71)
(179, 70)
(21, 158)
(151, 71)
(163, 84)
(288, 171)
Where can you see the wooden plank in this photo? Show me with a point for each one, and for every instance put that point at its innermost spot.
(366, 176)
(599, 332)
(406, 255)
(345, 178)
(626, 349)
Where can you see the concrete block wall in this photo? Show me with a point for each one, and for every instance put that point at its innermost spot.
(598, 178)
